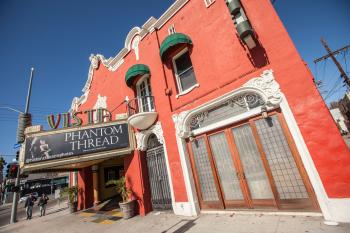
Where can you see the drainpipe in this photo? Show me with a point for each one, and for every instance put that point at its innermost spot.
(165, 78)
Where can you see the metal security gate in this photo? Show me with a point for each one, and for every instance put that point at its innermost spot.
(158, 176)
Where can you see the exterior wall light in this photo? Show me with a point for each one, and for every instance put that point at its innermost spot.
(244, 29)
(264, 112)
(234, 6)
(191, 136)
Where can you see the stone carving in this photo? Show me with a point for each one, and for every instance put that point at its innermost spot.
(94, 61)
(142, 136)
(101, 102)
(180, 127)
(268, 85)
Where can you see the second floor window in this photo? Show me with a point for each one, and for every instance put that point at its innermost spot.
(144, 94)
(184, 72)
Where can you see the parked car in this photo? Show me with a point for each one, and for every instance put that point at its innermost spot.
(24, 198)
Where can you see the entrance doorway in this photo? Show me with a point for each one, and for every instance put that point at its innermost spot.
(252, 164)
(157, 174)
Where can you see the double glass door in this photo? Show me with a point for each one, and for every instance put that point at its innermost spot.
(250, 165)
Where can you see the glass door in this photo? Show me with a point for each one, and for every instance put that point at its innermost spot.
(145, 97)
(250, 165)
(228, 175)
(205, 176)
(254, 176)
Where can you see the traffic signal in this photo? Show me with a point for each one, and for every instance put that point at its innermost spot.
(8, 171)
(14, 170)
(11, 171)
(17, 155)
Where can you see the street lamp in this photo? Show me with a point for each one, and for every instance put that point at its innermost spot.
(24, 120)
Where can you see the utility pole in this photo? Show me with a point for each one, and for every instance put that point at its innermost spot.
(331, 55)
(20, 130)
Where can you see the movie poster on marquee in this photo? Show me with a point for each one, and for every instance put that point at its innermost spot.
(73, 143)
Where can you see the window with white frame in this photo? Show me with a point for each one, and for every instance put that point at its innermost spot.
(144, 94)
(184, 73)
(208, 2)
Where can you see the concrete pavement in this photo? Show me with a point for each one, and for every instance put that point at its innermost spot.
(5, 210)
(164, 222)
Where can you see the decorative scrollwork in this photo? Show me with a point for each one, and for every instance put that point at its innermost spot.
(244, 101)
(197, 120)
(239, 100)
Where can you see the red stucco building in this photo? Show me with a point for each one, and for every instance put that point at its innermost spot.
(225, 115)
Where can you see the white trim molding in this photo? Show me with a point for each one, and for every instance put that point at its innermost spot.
(94, 64)
(142, 136)
(333, 209)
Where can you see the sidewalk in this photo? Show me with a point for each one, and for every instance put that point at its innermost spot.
(58, 220)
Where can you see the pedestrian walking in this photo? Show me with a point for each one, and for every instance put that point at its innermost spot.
(42, 204)
(29, 206)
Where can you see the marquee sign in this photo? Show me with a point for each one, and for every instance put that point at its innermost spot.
(74, 119)
(72, 143)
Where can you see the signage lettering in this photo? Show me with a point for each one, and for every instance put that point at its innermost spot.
(74, 143)
(73, 119)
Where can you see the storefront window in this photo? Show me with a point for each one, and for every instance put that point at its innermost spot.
(113, 173)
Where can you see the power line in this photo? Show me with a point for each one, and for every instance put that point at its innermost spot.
(332, 54)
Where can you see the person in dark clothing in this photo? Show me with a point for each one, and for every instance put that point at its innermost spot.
(42, 204)
(29, 206)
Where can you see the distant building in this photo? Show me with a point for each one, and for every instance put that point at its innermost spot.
(44, 182)
(339, 120)
(344, 107)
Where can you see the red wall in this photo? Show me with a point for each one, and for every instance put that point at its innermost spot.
(85, 196)
(222, 63)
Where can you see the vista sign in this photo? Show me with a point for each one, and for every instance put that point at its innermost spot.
(74, 118)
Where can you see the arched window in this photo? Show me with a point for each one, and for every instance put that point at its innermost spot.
(144, 94)
(233, 106)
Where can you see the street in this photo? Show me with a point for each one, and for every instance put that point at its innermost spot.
(5, 211)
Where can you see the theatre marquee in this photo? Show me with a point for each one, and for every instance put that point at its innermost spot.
(73, 147)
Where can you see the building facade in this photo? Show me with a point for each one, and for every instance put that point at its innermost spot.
(223, 113)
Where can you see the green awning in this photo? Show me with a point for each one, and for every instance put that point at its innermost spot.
(173, 40)
(134, 71)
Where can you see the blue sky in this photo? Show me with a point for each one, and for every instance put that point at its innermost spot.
(57, 38)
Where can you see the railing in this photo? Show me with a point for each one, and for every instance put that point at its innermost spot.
(140, 104)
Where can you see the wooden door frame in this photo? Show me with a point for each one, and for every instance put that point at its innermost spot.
(277, 203)
(230, 203)
(298, 161)
(295, 154)
(252, 202)
(203, 204)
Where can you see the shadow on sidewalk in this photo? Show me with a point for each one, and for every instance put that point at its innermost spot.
(184, 228)
(56, 211)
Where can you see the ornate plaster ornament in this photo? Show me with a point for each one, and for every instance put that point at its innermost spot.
(180, 126)
(94, 61)
(142, 136)
(135, 46)
(101, 102)
(267, 84)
